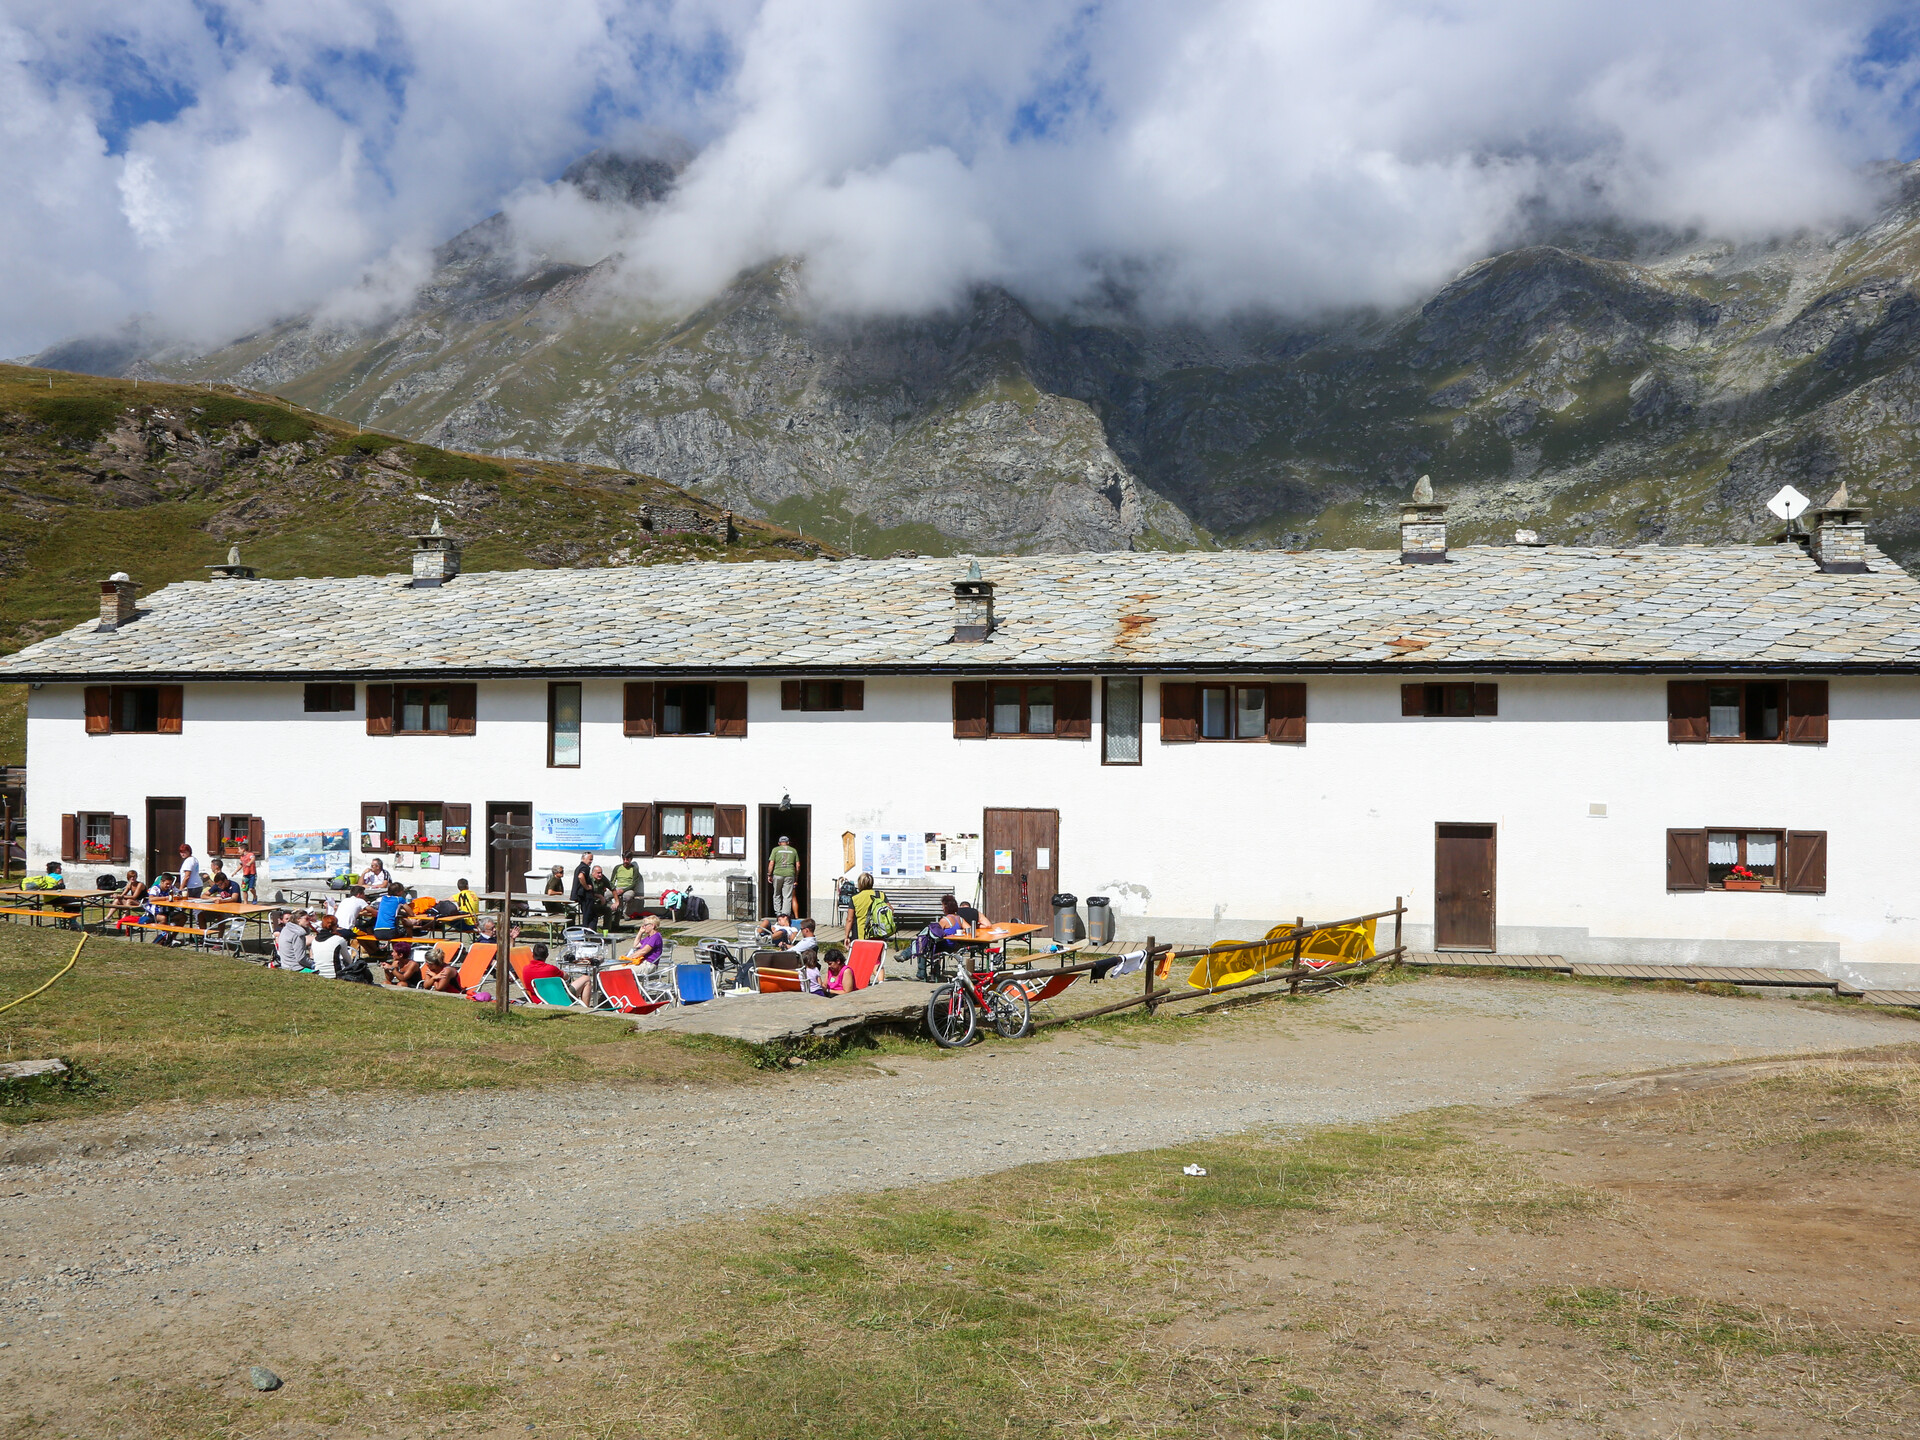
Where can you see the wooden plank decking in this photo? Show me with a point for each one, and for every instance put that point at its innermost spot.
(1891, 997)
(1715, 974)
(1482, 958)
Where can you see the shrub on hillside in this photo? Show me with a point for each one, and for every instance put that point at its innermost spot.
(275, 426)
(76, 419)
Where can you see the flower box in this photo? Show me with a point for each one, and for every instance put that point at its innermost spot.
(1743, 884)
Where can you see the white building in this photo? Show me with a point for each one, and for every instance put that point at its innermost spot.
(1544, 749)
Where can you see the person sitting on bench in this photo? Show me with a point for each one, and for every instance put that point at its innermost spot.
(333, 957)
(222, 886)
(54, 879)
(648, 943)
(625, 880)
(131, 893)
(290, 944)
(468, 904)
(376, 879)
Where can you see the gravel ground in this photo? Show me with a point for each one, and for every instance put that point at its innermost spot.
(135, 1224)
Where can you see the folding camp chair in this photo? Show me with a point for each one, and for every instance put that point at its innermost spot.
(773, 982)
(621, 987)
(1038, 990)
(693, 984)
(550, 990)
(863, 958)
(477, 966)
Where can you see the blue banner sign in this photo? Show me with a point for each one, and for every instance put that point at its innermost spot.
(591, 830)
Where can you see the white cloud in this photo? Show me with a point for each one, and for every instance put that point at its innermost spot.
(1219, 154)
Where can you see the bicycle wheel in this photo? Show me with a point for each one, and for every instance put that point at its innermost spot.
(951, 1017)
(1012, 1016)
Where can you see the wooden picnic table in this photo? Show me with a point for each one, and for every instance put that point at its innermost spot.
(218, 907)
(993, 934)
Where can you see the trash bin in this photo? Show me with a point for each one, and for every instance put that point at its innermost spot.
(740, 897)
(1067, 924)
(1099, 920)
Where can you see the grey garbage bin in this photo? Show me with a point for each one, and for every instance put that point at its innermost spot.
(1067, 924)
(740, 897)
(1099, 920)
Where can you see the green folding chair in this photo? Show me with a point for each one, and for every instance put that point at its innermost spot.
(552, 990)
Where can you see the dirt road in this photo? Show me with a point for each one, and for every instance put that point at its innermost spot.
(159, 1225)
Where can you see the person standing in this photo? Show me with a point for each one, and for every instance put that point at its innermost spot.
(250, 877)
(860, 911)
(190, 883)
(783, 872)
(583, 893)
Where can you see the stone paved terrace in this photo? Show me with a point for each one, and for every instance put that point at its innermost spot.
(1492, 607)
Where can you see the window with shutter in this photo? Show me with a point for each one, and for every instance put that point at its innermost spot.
(970, 710)
(456, 831)
(99, 705)
(374, 828)
(121, 832)
(1806, 862)
(1737, 712)
(636, 830)
(1806, 712)
(638, 708)
(1120, 721)
(171, 706)
(69, 837)
(1287, 713)
(1178, 721)
(730, 708)
(1686, 712)
(1686, 859)
(1451, 699)
(463, 705)
(1073, 709)
(790, 694)
(325, 698)
(730, 831)
(379, 709)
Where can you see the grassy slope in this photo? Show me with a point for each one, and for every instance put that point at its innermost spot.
(64, 529)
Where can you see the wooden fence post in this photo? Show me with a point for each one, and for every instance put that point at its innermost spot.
(1399, 911)
(1299, 944)
(1146, 989)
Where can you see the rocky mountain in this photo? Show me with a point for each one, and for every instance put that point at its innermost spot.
(1599, 387)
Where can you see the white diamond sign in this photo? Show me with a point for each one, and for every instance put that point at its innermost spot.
(1788, 504)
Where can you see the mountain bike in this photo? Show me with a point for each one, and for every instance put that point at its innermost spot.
(955, 1009)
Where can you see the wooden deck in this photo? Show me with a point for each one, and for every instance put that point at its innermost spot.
(1712, 974)
(1483, 958)
(1891, 997)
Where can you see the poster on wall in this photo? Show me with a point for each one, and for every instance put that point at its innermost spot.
(884, 853)
(308, 854)
(577, 830)
(952, 854)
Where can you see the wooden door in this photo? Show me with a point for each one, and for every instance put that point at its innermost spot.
(1020, 852)
(796, 823)
(518, 860)
(166, 833)
(1463, 887)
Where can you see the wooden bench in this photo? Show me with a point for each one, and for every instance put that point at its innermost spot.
(196, 931)
(50, 914)
(913, 902)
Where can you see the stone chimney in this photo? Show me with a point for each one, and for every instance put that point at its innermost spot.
(1423, 527)
(233, 569)
(1839, 541)
(972, 607)
(436, 557)
(116, 600)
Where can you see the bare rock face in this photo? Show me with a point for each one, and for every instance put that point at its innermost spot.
(1603, 388)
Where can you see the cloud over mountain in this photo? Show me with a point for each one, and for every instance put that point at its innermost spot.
(215, 165)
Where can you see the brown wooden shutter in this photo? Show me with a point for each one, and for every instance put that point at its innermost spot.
(1179, 713)
(639, 708)
(170, 709)
(1413, 699)
(636, 829)
(69, 837)
(853, 696)
(121, 841)
(1486, 699)
(730, 708)
(1073, 709)
(1686, 712)
(1806, 862)
(970, 710)
(730, 823)
(257, 838)
(379, 709)
(463, 704)
(1807, 713)
(375, 810)
(1686, 859)
(213, 836)
(790, 694)
(450, 817)
(1287, 714)
(99, 710)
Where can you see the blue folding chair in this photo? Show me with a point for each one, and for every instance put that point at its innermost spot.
(693, 984)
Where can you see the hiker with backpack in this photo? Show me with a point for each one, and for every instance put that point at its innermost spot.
(871, 915)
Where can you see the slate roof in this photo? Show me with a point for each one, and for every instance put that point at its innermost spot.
(1494, 608)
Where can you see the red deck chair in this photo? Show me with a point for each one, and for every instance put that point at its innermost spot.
(622, 989)
(863, 958)
(1045, 990)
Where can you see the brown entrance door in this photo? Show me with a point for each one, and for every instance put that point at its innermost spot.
(796, 823)
(166, 833)
(1021, 858)
(515, 862)
(1463, 888)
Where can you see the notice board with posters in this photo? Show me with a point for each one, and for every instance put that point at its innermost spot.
(307, 854)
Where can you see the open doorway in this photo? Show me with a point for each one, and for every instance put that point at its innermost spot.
(796, 823)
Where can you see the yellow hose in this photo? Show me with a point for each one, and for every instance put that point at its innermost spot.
(63, 970)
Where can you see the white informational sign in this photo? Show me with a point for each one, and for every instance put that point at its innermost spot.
(1042, 858)
(884, 853)
(954, 854)
(1003, 862)
(307, 854)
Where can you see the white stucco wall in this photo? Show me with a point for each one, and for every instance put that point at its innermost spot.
(1201, 840)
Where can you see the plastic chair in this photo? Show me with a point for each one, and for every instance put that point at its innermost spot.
(621, 987)
(551, 990)
(477, 966)
(863, 958)
(693, 984)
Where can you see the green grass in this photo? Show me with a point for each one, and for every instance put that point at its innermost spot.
(75, 419)
(149, 1023)
(274, 424)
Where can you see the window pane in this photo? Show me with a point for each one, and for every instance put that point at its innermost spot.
(1459, 699)
(1006, 709)
(1040, 709)
(98, 839)
(673, 823)
(670, 718)
(566, 725)
(1250, 712)
(1723, 853)
(437, 709)
(1213, 714)
(1763, 853)
(1763, 712)
(413, 710)
(1723, 712)
(1120, 724)
(703, 822)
